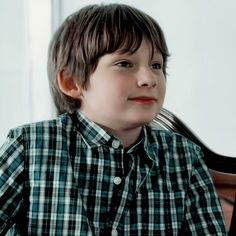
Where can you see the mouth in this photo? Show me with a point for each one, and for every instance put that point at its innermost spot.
(143, 100)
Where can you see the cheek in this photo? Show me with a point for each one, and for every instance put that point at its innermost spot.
(162, 88)
(118, 89)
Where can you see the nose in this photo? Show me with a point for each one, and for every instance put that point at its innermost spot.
(146, 78)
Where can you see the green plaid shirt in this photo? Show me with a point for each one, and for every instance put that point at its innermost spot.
(70, 177)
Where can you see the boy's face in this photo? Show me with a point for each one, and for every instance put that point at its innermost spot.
(125, 91)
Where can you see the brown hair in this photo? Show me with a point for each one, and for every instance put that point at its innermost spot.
(92, 32)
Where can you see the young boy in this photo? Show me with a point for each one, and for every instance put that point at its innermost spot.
(100, 168)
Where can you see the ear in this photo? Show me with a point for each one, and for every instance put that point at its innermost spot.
(68, 85)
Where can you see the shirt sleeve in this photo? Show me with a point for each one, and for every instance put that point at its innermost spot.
(11, 180)
(203, 212)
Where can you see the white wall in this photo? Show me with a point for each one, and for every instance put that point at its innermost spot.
(24, 36)
(14, 92)
(200, 90)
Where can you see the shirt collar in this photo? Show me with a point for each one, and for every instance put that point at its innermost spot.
(92, 133)
(151, 145)
(147, 143)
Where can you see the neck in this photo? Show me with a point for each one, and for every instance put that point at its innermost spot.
(127, 136)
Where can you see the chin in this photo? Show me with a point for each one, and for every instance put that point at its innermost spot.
(142, 120)
(147, 117)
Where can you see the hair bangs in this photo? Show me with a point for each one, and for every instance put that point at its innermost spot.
(122, 29)
(126, 40)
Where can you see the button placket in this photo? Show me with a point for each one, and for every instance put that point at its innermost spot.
(117, 180)
(114, 232)
(115, 144)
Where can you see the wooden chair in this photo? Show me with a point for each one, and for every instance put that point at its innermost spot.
(222, 168)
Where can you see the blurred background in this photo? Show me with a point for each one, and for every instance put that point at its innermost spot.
(201, 84)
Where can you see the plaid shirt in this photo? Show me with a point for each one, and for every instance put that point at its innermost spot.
(70, 177)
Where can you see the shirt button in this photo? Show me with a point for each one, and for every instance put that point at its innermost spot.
(117, 180)
(115, 143)
(114, 232)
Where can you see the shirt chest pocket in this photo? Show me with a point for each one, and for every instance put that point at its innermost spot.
(164, 206)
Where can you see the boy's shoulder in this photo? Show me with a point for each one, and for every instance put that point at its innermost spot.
(174, 146)
(39, 128)
(169, 138)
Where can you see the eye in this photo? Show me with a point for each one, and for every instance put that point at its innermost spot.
(124, 64)
(156, 66)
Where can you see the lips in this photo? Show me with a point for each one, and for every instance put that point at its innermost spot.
(143, 99)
